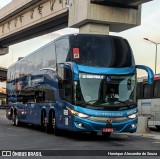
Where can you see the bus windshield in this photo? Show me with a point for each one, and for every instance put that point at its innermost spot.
(90, 49)
(105, 91)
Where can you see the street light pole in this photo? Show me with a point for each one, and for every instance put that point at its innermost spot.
(155, 54)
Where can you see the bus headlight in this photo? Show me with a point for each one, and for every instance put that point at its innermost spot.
(133, 116)
(81, 115)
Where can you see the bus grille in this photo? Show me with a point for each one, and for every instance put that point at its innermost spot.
(104, 119)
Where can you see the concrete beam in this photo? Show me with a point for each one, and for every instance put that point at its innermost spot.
(53, 24)
(16, 7)
(30, 19)
(121, 3)
(136, 2)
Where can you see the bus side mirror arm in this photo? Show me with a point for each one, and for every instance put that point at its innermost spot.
(149, 71)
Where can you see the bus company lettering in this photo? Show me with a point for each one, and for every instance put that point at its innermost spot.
(93, 76)
(131, 112)
(109, 114)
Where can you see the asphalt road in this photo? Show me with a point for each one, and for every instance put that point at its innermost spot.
(31, 138)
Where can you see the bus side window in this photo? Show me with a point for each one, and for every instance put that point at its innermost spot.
(48, 93)
(31, 95)
(62, 48)
(39, 96)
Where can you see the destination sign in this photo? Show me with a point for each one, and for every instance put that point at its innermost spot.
(91, 76)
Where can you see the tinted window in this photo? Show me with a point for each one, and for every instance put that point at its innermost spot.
(38, 61)
(30, 95)
(49, 56)
(62, 48)
(48, 94)
(31, 63)
(103, 51)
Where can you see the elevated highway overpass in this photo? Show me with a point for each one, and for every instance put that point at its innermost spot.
(24, 19)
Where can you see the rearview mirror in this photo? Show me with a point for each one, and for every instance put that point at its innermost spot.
(149, 71)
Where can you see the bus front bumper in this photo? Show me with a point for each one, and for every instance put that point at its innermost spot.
(83, 124)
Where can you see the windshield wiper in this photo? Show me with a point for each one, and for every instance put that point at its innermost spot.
(124, 102)
(90, 102)
(80, 103)
(128, 103)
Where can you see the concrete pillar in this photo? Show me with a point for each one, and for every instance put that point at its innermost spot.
(94, 18)
(4, 51)
(94, 29)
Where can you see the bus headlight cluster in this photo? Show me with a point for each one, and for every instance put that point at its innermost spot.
(81, 115)
(22, 113)
(133, 116)
(9, 113)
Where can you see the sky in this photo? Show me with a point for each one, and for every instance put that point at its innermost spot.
(144, 51)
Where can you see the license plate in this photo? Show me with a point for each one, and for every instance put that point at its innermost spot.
(107, 130)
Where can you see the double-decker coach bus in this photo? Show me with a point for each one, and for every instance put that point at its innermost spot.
(78, 82)
(149, 100)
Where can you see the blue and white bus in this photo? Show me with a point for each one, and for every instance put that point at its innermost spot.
(78, 82)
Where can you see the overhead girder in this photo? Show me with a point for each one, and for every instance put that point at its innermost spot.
(121, 3)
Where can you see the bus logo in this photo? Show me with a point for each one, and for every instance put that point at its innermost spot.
(109, 121)
(6, 153)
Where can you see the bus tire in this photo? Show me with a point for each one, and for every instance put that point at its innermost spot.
(106, 135)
